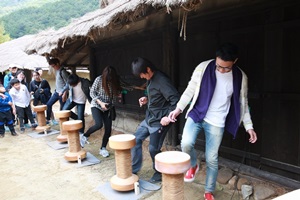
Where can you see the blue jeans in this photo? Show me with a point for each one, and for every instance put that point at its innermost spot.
(53, 99)
(156, 141)
(80, 112)
(213, 137)
(100, 118)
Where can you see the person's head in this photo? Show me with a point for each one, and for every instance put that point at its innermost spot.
(143, 68)
(73, 80)
(15, 83)
(110, 76)
(13, 69)
(2, 89)
(226, 57)
(39, 70)
(54, 63)
(36, 76)
(20, 75)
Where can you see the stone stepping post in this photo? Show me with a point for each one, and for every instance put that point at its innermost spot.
(41, 119)
(172, 165)
(75, 152)
(124, 179)
(63, 116)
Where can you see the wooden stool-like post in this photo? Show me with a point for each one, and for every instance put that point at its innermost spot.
(172, 165)
(63, 116)
(75, 152)
(40, 112)
(124, 179)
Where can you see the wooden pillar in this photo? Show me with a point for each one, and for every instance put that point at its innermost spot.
(124, 179)
(40, 112)
(75, 151)
(172, 165)
(63, 116)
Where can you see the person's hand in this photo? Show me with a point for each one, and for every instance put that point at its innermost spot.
(143, 101)
(102, 104)
(3, 96)
(41, 90)
(59, 94)
(173, 115)
(253, 136)
(165, 121)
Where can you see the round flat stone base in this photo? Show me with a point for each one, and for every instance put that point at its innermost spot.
(42, 128)
(121, 184)
(62, 138)
(69, 156)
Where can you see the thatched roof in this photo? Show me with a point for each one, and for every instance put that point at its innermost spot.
(93, 24)
(13, 52)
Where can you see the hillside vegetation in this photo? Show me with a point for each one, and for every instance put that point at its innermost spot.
(31, 16)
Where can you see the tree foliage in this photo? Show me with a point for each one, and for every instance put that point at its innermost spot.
(31, 20)
(3, 36)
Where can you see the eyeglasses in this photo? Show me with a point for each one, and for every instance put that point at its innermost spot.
(227, 69)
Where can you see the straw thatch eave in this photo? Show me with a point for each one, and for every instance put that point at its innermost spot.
(13, 52)
(91, 26)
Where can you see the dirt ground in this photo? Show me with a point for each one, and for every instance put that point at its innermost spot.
(32, 170)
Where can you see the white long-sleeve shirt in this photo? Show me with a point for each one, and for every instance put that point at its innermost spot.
(20, 97)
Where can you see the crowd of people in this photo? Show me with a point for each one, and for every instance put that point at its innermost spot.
(216, 95)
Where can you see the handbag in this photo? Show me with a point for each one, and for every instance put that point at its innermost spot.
(112, 113)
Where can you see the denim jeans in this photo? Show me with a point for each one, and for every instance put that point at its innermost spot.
(80, 112)
(213, 137)
(156, 141)
(53, 99)
(100, 118)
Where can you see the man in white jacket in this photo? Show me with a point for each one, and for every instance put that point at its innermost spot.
(218, 91)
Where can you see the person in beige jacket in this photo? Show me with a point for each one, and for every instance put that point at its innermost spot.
(218, 95)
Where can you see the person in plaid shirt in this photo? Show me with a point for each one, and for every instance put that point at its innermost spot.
(104, 91)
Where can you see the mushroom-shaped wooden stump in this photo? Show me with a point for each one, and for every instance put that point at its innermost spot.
(40, 112)
(75, 152)
(124, 179)
(172, 165)
(63, 116)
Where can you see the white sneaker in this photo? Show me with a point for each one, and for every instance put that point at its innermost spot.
(103, 152)
(83, 140)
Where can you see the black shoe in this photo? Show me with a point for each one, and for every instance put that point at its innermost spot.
(14, 133)
(155, 178)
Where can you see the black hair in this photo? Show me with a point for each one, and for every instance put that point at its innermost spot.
(110, 76)
(19, 72)
(14, 81)
(227, 52)
(54, 61)
(139, 65)
(73, 79)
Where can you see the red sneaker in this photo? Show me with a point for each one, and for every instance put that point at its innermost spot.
(208, 196)
(191, 173)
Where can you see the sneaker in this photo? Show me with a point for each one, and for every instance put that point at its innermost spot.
(22, 130)
(47, 121)
(27, 125)
(83, 140)
(103, 152)
(33, 126)
(14, 133)
(155, 178)
(208, 196)
(2, 135)
(191, 173)
(54, 122)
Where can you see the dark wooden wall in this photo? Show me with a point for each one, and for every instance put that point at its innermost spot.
(268, 37)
